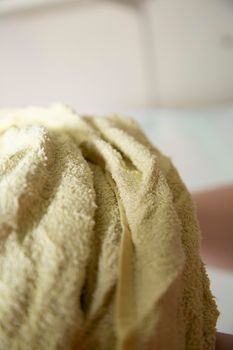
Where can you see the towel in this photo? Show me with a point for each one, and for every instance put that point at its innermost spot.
(99, 241)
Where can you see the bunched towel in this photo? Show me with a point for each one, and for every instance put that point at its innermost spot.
(99, 243)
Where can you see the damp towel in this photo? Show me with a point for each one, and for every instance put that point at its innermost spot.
(99, 243)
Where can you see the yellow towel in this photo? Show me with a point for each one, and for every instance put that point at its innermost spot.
(99, 243)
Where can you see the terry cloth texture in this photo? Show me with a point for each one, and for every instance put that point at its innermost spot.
(99, 243)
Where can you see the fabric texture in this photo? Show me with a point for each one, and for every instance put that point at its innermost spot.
(99, 242)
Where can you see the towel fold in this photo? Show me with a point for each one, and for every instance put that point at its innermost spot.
(99, 243)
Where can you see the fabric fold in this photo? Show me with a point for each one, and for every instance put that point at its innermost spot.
(99, 241)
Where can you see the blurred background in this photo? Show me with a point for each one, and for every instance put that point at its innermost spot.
(167, 63)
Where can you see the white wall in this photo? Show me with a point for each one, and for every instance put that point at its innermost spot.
(88, 56)
(193, 50)
(102, 56)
